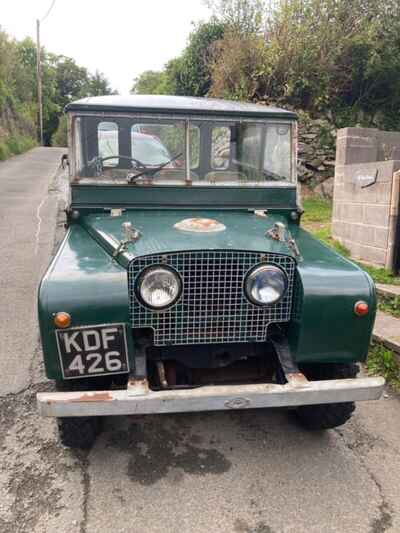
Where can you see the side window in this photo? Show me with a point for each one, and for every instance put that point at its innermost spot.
(250, 136)
(277, 156)
(107, 136)
(78, 146)
(220, 147)
(194, 146)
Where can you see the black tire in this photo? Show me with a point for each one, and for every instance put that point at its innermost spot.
(330, 415)
(79, 432)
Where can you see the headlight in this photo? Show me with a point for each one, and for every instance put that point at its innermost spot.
(159, 287)
(265, 284)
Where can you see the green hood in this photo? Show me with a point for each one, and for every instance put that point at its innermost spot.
(243, 231)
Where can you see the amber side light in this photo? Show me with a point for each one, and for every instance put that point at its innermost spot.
(62, 319)
(361, 308)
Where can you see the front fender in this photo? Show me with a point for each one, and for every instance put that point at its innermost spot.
(87, 283)
(324, 326)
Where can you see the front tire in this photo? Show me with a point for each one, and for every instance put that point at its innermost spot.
(79, 432)
(331, 415)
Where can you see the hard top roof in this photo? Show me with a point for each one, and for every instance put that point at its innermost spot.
(186, 105)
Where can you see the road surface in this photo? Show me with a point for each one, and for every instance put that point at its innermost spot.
(239, 472)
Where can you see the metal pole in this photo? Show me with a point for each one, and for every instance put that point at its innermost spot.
(39, 82)
(188, 178)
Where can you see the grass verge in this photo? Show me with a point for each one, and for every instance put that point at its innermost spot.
(14, 145)
(383, 362)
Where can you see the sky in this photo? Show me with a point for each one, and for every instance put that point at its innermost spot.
(120, 38)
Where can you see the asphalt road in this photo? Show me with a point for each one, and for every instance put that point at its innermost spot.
(239, 472)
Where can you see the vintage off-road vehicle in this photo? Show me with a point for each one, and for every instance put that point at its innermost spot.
(185, 282)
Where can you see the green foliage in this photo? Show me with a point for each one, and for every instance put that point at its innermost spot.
(332, 56)
(14, 145)
(390, 305)
(194, 67)
(98, 85)
(382, 361)
(150, 82)
(235, 66)
(317, 210)
(188, 74)
(62, 81)
(60, 136)
(241, 16)
(336, 55)
(381, 275)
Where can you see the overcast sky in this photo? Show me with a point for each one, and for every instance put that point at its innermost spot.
(121, 38)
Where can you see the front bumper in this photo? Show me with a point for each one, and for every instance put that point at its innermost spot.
(140, 400)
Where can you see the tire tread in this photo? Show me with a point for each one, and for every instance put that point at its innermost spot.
(327, 416)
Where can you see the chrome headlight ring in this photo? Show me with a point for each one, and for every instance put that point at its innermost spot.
(158, 287)
(265, 285)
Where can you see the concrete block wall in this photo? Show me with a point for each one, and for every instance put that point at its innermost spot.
(366, 193)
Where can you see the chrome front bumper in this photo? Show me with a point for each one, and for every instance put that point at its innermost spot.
(139, 400)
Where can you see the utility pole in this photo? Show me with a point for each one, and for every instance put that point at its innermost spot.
(39, 82)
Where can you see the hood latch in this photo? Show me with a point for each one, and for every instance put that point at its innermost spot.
(131, 235)
(279, 232)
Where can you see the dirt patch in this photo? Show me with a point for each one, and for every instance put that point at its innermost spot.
(163, 448)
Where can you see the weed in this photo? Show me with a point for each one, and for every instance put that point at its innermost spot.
(389, 305)
(382, 361)
(317, 210)
(381, 275)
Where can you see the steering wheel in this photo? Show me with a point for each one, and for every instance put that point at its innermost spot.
(100, 160)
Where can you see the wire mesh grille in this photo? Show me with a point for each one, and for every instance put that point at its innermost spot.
(212, 307)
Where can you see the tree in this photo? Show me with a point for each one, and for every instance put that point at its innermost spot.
(149, 82)
(192, 74)
(189, 74)
(60, 136)
(235, 69)
(99, 85)
(337, 55)
(240, 16)
(62, 81)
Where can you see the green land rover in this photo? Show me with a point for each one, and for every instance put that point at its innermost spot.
(185, 282)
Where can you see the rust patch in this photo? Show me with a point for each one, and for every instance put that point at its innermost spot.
(102, 396)
(138, 382)
(68, 397)
(199, 225)
(296, 378)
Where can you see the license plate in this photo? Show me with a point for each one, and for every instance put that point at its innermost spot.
(93, 350)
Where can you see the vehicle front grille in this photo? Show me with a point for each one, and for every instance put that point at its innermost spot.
(212, 307)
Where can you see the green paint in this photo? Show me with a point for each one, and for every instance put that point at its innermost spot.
(86, 282)
(103, 196)
(90, 284)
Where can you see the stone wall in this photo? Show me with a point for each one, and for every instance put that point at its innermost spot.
(316, 156)
(366, 193)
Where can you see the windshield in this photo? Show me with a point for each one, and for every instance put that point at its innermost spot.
(138, 151)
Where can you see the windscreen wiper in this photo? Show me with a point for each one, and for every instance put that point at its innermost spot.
(272, 176)
(98, 161)
(151, 172)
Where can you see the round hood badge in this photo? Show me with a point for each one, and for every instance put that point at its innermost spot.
(199, 225)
